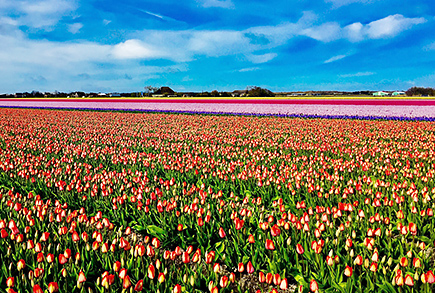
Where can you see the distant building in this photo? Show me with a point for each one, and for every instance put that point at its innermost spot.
(399, 94)
(163, 91)
(380, 94)
(114, 94)
(239, 93)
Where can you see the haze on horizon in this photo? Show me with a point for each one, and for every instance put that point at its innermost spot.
(203, 45)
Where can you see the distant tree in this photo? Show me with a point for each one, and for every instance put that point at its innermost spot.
(149, 89)
(420, 91)
(215, 93)
(255, 91)
(225, 94)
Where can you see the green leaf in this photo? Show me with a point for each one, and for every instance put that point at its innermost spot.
(220, 247)
(155, 231)
(301, 280)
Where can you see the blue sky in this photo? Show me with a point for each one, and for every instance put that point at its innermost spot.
(202, 45)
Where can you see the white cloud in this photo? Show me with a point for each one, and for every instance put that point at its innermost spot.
(75, 28)
(216, 3)
(134, 49)
(249, 69)
(354, 32)
(39, 14)
(391, 26)
(387, 27)
(106, 21)
(339, 3)
(261, 58)
(429, 47)
(335, 58)
(326, 32)
(357, 74)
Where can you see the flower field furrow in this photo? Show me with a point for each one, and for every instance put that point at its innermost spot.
(273, 108)
(154, 202)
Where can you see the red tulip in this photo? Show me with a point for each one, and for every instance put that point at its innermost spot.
(53, 287)
(50, 258)
(139, 286)
(37, 289)
(222, 233)
(358, 260)
(284, 284)
(177, 289)
(430, 277)
(81, 277)
(261, 277)
(249, 267)
(348, 271)
(4, 233)
(161, 277)
(277, 279)
(409, 280)
(62, 259)
(241, 267)
(122, 273)
(126, 283)
(21, 264)
(75, 236)
(151, 271)
(275, 231)
(270, 245)
(299, 249)
(117, 266)
(223, 281)
(10, 282)
(314, 286)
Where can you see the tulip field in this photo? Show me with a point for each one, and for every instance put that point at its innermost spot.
(100, 201)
